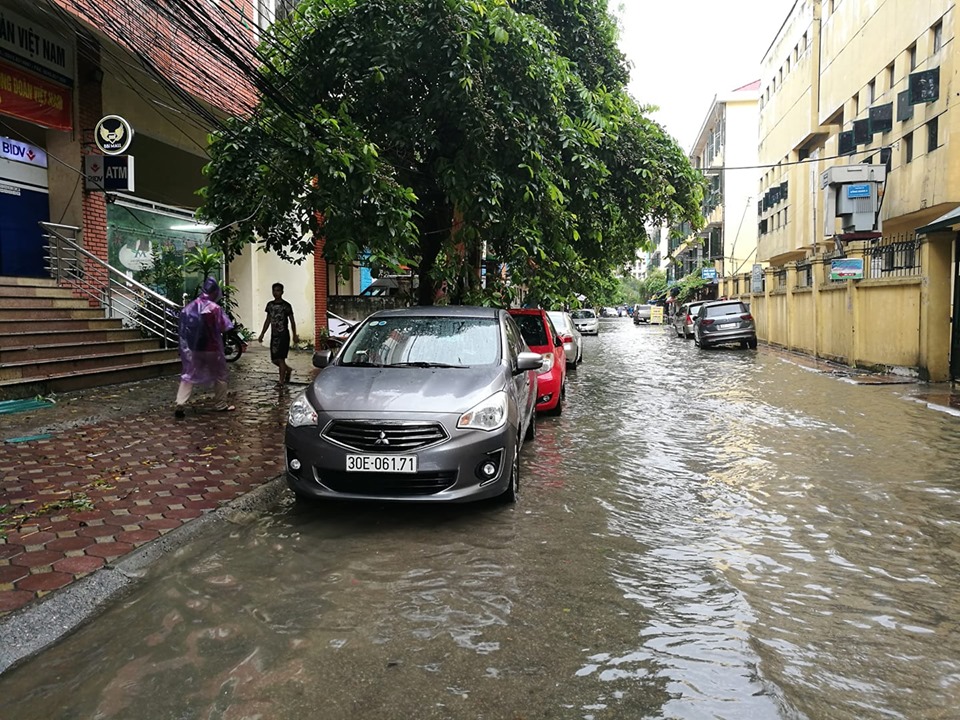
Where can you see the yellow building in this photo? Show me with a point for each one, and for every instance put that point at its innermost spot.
(855, 96)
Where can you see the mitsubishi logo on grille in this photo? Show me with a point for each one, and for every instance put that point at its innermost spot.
(382, 440)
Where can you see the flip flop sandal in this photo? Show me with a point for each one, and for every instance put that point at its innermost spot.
(228, 408)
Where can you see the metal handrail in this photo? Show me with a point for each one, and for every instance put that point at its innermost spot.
(121, 296)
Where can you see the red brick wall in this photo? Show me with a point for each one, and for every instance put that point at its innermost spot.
(320, 289)
(175, 44)
(90, 110)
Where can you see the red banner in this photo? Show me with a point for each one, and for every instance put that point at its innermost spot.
(28, 97)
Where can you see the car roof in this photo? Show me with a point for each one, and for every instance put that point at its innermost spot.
(461, 311)
(527, 311)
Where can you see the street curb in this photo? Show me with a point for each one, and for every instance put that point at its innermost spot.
(35, 627)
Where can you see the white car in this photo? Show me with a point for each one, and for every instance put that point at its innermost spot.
(586, 321)
(572, 339)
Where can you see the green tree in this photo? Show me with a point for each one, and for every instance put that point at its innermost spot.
(423, 131)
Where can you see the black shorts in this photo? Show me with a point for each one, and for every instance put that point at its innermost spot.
(279, 346)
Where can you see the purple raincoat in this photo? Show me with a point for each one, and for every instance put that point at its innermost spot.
(202, 324)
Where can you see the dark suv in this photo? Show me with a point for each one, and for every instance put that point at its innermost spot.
(724, 321)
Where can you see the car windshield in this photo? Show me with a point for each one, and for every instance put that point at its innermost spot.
(424, 341)
(559, 320)
(532, 329)
(582, 314)
(725, 309)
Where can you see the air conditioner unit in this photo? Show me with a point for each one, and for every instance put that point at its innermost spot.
(852, 196)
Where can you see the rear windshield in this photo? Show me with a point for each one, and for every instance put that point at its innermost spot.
(559, 320)
(582, 314)
(726, 309)
(532, 329)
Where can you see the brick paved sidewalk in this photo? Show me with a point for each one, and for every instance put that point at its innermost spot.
(111, 469)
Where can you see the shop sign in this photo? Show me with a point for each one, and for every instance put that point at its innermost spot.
(756, 278)
(708, 274)
(35, 48)
(21, 152)
(846, 269)
(108, 173)
(113, 135)
(31, 98)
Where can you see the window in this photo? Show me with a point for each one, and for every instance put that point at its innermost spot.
(268, 12)
(912, 54)
(938, 36)
(891, 77)
(871, 92)
(933, 131)
(908, 148)
(856, 105)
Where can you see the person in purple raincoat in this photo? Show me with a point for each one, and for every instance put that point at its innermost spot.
(202, 324)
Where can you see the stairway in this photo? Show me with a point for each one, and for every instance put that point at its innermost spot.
(51, 341)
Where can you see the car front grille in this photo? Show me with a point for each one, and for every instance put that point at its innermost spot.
(384, 437)
(388, 484)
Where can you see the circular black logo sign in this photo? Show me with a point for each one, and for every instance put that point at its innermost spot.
(113, 134)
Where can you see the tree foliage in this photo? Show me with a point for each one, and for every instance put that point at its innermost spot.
(423, 133)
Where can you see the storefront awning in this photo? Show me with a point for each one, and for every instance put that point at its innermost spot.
(944, 222)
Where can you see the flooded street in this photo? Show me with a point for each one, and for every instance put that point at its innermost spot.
(701, 534)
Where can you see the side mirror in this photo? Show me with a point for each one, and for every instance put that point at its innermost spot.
(322, 358)
(528, 361)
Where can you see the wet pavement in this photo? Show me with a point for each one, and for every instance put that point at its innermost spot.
(702, 534)
(100, 473)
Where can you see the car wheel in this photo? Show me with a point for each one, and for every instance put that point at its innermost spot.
(531, 428)
(743, 344)
(752, 342)
(512, 492)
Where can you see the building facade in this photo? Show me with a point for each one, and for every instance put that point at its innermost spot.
(166, 70)
(859, 89)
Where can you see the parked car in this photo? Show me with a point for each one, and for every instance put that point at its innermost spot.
(586, 321)
(683, 320)
(428, 404)
(724, 321)
(542, 337)
(571, 337)
(641, 314)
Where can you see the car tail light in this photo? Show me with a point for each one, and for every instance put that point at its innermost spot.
(746, 316)
(706, 321)
(566, 338)
(689, 319)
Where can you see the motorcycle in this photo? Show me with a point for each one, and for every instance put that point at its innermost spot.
(233, 345)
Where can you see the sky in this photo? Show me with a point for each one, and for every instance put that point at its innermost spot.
(685, 52)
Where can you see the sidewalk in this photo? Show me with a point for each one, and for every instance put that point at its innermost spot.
(103, 472)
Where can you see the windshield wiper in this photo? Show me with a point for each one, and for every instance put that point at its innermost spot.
(424, 364)
(360, 363)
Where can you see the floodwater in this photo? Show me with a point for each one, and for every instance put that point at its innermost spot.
(702, 534)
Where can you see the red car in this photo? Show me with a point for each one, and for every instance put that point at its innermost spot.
(542, 337)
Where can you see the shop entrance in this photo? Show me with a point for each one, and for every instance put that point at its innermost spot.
(24, 204)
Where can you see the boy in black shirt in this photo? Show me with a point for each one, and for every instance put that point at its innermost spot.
(279, 312)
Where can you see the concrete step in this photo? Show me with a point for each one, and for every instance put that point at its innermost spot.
(36, 301)
(29, 291)
(79, 380)
(7, 280)
(26, 337)
(42, 325)
(28, 371)
(15, 355)
(42, 313)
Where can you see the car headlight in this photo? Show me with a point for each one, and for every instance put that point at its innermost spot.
(547, 364)
(301, 412)
(490, 414)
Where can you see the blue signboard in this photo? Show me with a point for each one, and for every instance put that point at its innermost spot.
(846, 269)
(860, 190)
(708, 273)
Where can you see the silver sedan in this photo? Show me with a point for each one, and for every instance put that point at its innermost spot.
(424, 404)
(572, 339)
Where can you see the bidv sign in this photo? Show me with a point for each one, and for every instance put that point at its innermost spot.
(108, 173)
(21, 152)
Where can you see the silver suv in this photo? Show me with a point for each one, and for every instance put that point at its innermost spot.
(724, 321)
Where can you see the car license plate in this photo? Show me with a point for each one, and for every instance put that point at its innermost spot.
(382, 463)
(727, 326)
